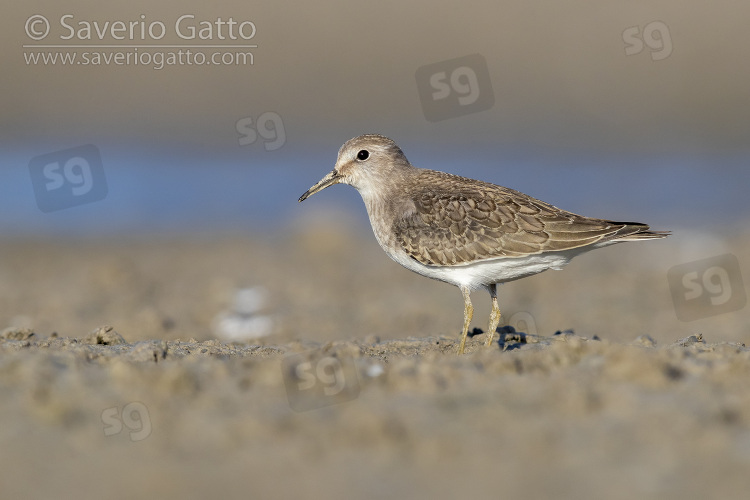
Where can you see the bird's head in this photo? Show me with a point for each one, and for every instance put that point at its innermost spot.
(364, 163)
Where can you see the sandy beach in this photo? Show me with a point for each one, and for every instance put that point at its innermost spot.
(117, 382)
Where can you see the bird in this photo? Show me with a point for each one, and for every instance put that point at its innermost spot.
(465, 232)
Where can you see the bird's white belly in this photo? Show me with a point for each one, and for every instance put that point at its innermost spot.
(483, 273)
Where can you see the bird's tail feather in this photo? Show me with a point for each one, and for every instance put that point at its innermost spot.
(637, 231)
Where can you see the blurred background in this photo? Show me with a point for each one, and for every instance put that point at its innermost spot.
(175, 183)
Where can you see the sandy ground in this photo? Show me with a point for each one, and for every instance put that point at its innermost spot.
(357, 392)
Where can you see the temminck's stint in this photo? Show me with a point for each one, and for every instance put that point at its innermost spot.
(468, 233)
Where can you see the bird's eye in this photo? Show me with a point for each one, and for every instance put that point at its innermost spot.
(363, 155)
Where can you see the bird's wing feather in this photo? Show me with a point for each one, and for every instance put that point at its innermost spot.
(459, 222)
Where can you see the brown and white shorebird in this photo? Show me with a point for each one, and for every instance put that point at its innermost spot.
(468, 233)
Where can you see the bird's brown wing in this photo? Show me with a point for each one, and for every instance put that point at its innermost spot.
(460, 221)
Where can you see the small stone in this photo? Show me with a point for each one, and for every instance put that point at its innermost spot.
(104, 335)
(690, 340)
(644, 341)
(375, 370)
(475, 331)
(15, 333)
(569, 331)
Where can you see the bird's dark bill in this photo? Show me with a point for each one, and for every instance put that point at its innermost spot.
(332, 178)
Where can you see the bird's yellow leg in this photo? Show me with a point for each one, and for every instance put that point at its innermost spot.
(468, 313)
(494, 315)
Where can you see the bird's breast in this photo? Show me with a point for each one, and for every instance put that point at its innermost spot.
(383, 216)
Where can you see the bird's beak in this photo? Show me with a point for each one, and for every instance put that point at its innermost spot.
(329, 180)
